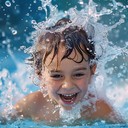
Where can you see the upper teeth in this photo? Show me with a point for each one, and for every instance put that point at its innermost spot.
(68, 94)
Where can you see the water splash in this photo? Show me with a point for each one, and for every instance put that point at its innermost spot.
(11, 88)
(105, 49)
(11, 85)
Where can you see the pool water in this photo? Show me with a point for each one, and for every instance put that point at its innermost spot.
(111, 32)
(31, 124)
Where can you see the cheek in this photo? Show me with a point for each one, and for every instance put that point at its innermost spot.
(88, 77)
(52, 86)
(84, 83)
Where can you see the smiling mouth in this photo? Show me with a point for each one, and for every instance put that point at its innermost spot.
(68, 98)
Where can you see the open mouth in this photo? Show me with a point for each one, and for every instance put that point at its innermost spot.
(68, 98)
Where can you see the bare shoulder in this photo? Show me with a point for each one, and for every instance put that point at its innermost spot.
(102, 110)
(105, 110)
(29, 103)
(31, 98)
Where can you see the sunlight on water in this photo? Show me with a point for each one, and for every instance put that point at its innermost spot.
(111, 79)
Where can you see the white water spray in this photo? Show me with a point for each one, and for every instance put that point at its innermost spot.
(87, 15)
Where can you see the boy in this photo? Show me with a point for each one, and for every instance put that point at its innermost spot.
(63, 60)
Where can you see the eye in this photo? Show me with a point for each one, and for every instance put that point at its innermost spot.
(56, 76)
(78, 75)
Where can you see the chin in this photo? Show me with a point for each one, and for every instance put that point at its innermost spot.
(67, 107)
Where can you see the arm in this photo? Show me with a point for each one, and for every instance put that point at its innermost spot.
(22, 109)
(28, 106)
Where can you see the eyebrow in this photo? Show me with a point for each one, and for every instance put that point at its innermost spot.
(60, 71)
(80, 68)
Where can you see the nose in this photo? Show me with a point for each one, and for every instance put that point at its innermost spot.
(68, 84)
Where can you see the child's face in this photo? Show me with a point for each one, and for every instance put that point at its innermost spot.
(68, 83)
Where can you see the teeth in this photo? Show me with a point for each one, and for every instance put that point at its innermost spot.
(68, 98)
(68, 94)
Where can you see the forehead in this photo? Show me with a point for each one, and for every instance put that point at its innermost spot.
(57, 63)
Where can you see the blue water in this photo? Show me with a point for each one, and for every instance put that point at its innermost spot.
(30, 124)
(18, 16)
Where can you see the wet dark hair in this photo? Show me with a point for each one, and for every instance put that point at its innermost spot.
(73, 38)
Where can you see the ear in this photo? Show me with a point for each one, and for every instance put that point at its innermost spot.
(93, 69)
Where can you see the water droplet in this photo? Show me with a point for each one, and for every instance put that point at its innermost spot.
(81, 2)
(8, 3)
(22, 47)
(119, 75)
(8, 46)
(14, 32)
(27, 14)
(39, 8)
(33, 22)
(123, 16)
(122, 20)
(3, 34)
(34, 1)
(13, 1)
